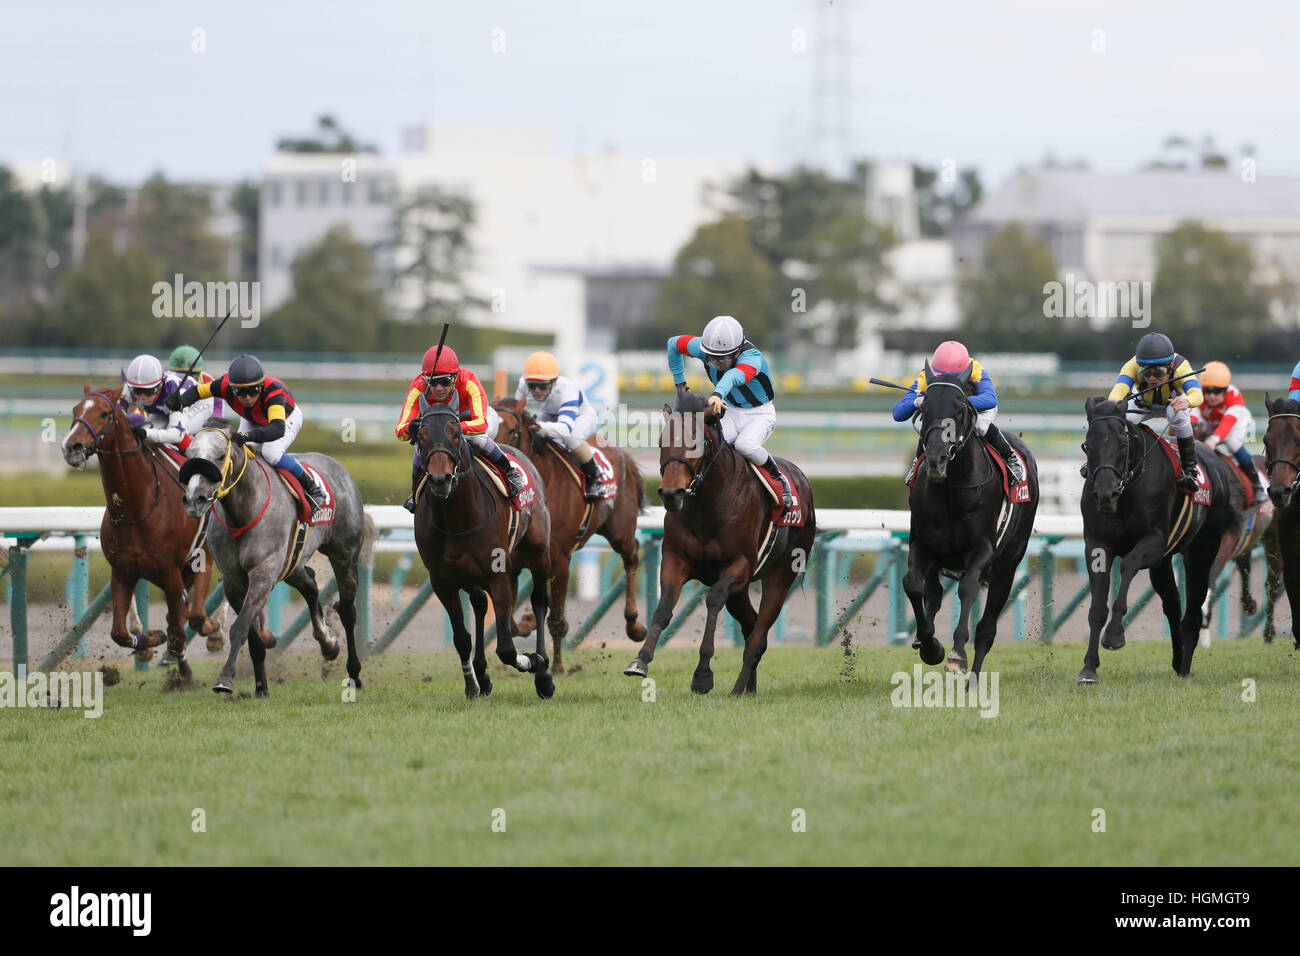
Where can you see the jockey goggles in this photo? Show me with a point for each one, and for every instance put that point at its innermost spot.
(246, 391)
(542, 386)
(143, 391)
(720, 361)
(439, 381)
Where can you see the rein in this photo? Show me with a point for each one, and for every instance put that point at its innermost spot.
(111, 422)
(458, 459)
(223, 489)
(707, 462)
(1127, 475)
(960, 443)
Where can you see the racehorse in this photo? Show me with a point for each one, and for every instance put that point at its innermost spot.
(1282, 468)
(1133, 510)
(471, 539)
(967, 522)
(719, 530)
(145, 532)
(574, 521)
(258, 539)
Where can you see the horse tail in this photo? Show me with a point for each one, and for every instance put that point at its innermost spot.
(640, 483)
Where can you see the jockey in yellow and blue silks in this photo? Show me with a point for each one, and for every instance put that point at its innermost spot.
(952, 358)
(1163, 386)
(742, 383)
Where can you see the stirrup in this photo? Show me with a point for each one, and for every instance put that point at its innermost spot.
(1016, 469)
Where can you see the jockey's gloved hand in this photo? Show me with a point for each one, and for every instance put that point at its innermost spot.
(683, 387)
(139, 433)
(173, 402)
(920, 400)
(239, 438)
(413, 439)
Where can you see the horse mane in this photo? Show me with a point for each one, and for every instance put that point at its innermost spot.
(690, 402)
(1289, 406)
(218, 423)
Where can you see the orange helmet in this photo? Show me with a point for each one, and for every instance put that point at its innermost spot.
(541, 367)
(447, 361)
(1216, 375)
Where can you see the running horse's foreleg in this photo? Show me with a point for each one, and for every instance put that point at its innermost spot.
(1147, 553)
(501, 589)
(543, 681)
(1196, 560)
(921, 583)
(478, 601)
(260, 582)
(673, 573)
(345, 573)
(175, 592)
(304, 581)
(1001, 579)
(559, 593)
(731, 582)
(628, 547)
(143, 643)
(1099, 559)
(449, 597)
(1166, 585)
(968, 589)
(776, 586)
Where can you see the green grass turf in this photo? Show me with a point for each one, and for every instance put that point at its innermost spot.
(411, 773)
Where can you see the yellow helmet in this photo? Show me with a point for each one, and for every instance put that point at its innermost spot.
(541, 366)
(1216, 375)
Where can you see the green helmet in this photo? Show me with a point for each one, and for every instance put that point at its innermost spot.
(183, 356)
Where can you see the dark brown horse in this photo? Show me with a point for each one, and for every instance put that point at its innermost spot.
(145, 532)
(718, 519)
(1282, 468)
(471, 540)
(574, 521)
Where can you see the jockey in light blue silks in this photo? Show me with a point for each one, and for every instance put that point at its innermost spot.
(147, 388)
(742, 383)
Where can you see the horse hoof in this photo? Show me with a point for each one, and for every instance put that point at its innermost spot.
(484, 684)
(216, 644)
(269, 641)
(471, 691)
(1248, 605)
(1087, 676)
(168, 659)
(210, 628)
(545, 685)
(527, 624)
(1113, 642)
(931, 652)
(223, 685)
(330, 651)
(635, 669)
(261, 692)
(955, 665)
(144, 654)
(702, 685)
(636, 632)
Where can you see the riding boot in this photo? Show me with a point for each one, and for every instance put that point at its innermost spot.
(409, 503)
(1187, 452)
(309, 486)
(1000, 442)
(502, 464)
(1247, 465)
(595, 489)
(787, 498)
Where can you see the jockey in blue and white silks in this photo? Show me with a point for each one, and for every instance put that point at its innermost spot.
(742, 382)
(147, 387)
(563, 414)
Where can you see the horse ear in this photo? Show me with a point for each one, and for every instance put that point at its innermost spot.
(668, 412)
(930, 374)
(1268, 405)
(1090, 405)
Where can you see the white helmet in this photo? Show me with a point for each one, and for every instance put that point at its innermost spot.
(144, 370)
(722, 336)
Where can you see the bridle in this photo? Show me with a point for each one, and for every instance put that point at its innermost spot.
(94, 449)
(225, 485)
(707, 460)
(1268, 465)
(1131, 433)
(458, 458)
(951, 448)
(518, 430)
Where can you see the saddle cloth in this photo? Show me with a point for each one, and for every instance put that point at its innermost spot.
(1202, 494)
(322, 515)
(526, 497)
(603, 467)
(794, 518)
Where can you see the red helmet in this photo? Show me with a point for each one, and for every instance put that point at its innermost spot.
(950, 357)
(447, 361)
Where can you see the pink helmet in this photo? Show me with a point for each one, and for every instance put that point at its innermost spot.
(950, 357)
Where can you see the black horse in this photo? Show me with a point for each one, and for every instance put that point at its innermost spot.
(1282, 466)
(1133, 510)
(957, 502)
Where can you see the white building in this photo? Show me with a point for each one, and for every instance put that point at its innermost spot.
(546, 219)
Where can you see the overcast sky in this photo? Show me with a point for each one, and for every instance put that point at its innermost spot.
(115, 88)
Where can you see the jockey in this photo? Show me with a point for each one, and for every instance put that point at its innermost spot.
(182, 357)
(147, 388)
(1226, 413)
(563, 413)
(267, 413)
(742, 384)
(1160, 384)
(952, 358)
(443, 382)
(1294, 394)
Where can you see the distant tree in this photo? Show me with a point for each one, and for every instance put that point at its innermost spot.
(106, 300)
(1204, 296)
(1002, 302)
(939, 208)
(329, 138)
(718, 272)
(172, 224)
(246, 202)
(429, 248)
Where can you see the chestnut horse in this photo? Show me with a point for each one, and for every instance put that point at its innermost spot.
(718, 518)
(1282, 468)
(574, 521)
(145, 532)
(463, 531)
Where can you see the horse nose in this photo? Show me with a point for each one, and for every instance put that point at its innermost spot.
(672, 499)
(1280, 495)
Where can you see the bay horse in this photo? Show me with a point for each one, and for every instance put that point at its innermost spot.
(574, 521)
(1282, 468)
(963, 523)
(257, 539)
(1133, 510)
(719, 517)
(471, 539)
(145, 532)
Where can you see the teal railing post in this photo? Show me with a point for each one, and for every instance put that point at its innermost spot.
(651, 565)
(18, 598)
(365, 580)
(825, 578)
(898, 631)
(399, 576)
(1048, 598)
(79, 584)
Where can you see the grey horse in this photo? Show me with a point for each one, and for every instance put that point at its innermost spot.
(256, 519)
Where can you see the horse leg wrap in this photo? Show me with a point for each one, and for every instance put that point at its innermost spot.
(523, 662)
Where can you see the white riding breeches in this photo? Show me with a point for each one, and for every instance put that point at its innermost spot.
(1181, 421)
(573, 435)
(748, 428)
(493, 423)
(1241, 429)
(984, 419)
(272, 450)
